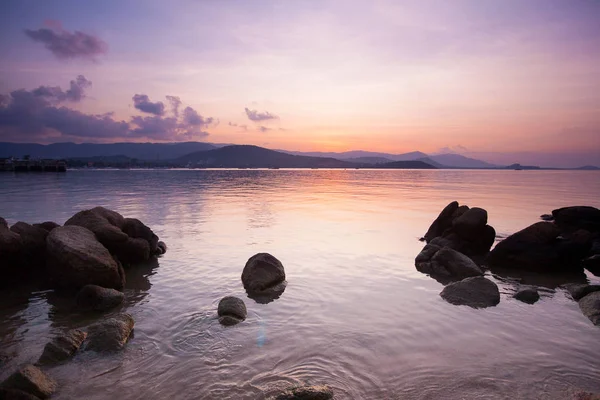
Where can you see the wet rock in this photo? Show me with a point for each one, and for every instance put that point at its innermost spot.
(476, 292)
(161, 248)
(231, 310)
(136, 229)
(76, 259)
(104, 223)
(3, 223)
(132, 251)
(62, 347)
(528, 295)
(592, 264)
(579, 217)
(546, 217)
(533, 248)
(11, 256)
(111, 334)
(445, 262)
(97, 298)
(586, 396)
(263, 274)
(590, 306)
(442, 222)
(32, 380)
(306, 393)
(471, 222)
(47, 226)
(33, 240)
(14, 394)
(578, 291)
(574, 247)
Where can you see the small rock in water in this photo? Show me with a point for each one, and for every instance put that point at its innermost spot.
(476, 292)
(62, 347)
(263, 277)
(97, 298)
(546, 217)
(161, 248)
(110, 334)
(32, 380)
(578, 291)
(527, 295)
(590, 306)
(232, 310)
(306, 393)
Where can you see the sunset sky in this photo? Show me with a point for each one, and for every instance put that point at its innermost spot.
(502, 80)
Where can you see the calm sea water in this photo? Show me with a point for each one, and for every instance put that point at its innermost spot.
(356, 315)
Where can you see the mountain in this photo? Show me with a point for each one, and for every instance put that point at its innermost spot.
(451, 160)
(360, 154)
(588, 168)
(369, 160)
(417, 164)
(429, 161)
(142, 151)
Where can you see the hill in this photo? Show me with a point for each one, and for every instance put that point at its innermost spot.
(406, 165)
(368, 160)
(452, 160)
(141, 151)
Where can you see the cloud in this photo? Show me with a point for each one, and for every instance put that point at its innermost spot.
(38, 114)
(457, 149)
(242, 126)
(142, 102)
(175, 103)
(255, 116)
(65, 45)
(264, 129)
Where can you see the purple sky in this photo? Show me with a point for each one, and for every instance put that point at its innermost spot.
(505, 81)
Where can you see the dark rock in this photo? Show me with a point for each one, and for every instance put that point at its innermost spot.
(262, 273)
(476, 292)
(579, 217)
(484, 242)
(586, 396)
(533, 248)
(132, 251)
(32, 380)
(161, 248)
(471, 223)
(442, 222)
(592, 264)
(14, 394)
(578, 291)
(34, 243)
(76, 259)
(452, 263)
(47, 226)
(231, 310)
(98, 220)
(62, 347)
(136, 229)
(11, 256)
(97, 298)
(111, 334)
(546, 217)
(573, 247)
(3, 223)
(590, 306)
(527, 295)
(306, 393)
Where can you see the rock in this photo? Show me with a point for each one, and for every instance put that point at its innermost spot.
(572, 248)
(592, 264)
(546, 217)
(442, 222)
(110, 334)
(32, 380)
(3, 223)
(476, 292)
(34, 243)
(306, 393)
(161, 248)
(14, 394)
(586, 396)
(579, 217)
(231, 310)
(100, 221)
(132, 251)
(97, 298)
(527, 295)
(533, 248)
(11, 256)
(590, 306)
(578, 291)
(47, 226)
(262, 273)
(136, 229)
(471, 223)
(445, 262)
(62, 347)
(76, 259)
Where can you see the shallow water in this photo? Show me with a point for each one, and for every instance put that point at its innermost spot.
(356, 314)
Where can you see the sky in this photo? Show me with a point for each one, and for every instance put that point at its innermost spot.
(501, 80)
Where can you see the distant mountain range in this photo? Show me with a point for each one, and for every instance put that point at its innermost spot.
(239, 156)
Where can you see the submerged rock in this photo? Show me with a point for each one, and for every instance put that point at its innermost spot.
(76, 259)
(590, 306)
(32, 380)
(161, 248)
(306, 393)
(263, 275)
(445, 263)
(476, 292)
(231, 310)
(62, 347)
(528, 295)
(110, 334)
(97, 298)
(578, 291)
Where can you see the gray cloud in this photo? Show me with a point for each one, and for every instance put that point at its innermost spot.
(175, 103)
(264, 128)
(142, 102)
(254, 115)
(244, 127)
(64, 44)
(75, 93)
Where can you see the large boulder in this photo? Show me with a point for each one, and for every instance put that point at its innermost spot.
(34, 243)
(231, 310)
(136, 229)
(62, 347)
(47, 226)
(306, 393)
(446, 262)
(32, 380)
(97, 298)
(442, 222)
(263, 275)
(11, 256)
(476, 292)
(111, 334)
(471, 223)
(578, 291)
(590, 307)
(76, 259)
(14, 394)
(579, 217)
